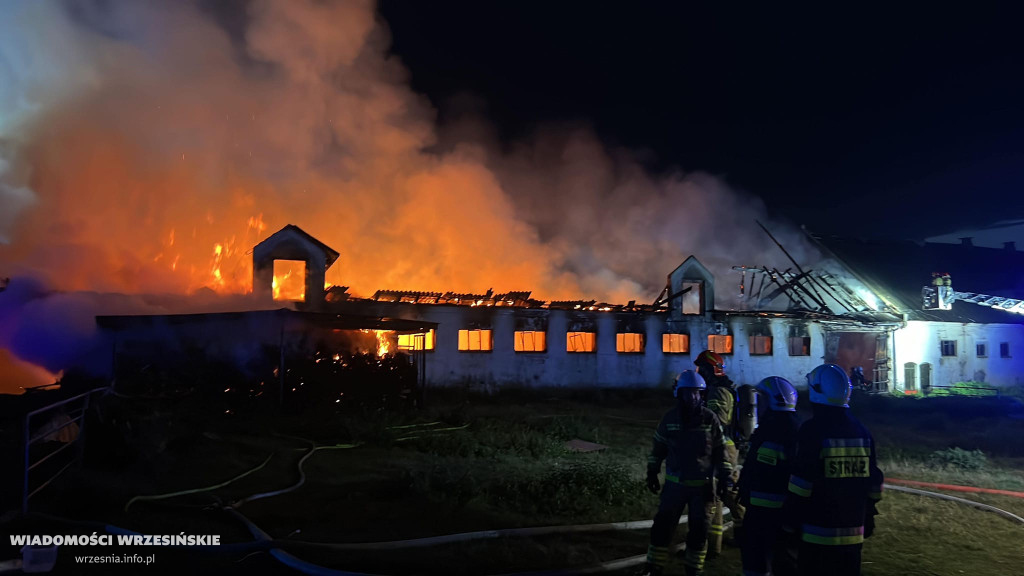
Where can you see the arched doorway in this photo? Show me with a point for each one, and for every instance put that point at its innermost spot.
(926, 377)
(910, 378)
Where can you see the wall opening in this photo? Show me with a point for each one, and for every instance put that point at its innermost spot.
(531, 341)
(692, 302)
(799, 341)
(720, 343)
(926, 376)
(948, 347)
(475, 341)
(289, 280)
(760, 345)
(422, 341)
(675, 343)
(910, 377)
(629, 343)
(581, 342)
(799, 345)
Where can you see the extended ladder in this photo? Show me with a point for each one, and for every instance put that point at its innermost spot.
(998, 302)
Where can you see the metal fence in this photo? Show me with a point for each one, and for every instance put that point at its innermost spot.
(59, 440)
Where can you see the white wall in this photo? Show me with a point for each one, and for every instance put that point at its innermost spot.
(920, 342)
(606, 367)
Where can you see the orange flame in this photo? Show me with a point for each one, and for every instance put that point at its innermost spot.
(289, 280)
(383, 340)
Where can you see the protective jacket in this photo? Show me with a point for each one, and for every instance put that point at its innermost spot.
(721, 400)
(766, 549)
(833, 488)
(765, 478)
(692, 449)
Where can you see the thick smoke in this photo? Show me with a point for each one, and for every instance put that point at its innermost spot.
(139, 136)
(145, 147)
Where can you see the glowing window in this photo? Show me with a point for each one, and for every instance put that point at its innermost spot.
(531, 341)
(422, 341)
(981, 349)
(800, 346)
(629, 342)
(475, 340)
(1004, 349)
(581, 342)
(948, 347)
(760, 345)
(289, 280)
(720, 344)
(675, 343)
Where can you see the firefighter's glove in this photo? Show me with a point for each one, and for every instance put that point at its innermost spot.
(652, 482)
(724, 486)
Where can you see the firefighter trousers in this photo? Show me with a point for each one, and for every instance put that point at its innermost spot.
(817, 559)
(697, 502)
(765, 548)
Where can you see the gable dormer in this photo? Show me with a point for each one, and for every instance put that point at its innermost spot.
(291, 243)
(691, 290)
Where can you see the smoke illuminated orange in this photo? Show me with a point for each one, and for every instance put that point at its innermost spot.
(289, 280)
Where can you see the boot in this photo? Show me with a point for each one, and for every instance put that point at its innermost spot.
(650, 570)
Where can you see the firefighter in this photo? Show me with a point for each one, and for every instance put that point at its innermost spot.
(765, 548)
(689, 439)
(721, 399)
(857, 378)
(835, 481)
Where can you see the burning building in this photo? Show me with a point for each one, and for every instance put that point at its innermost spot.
(787, 323)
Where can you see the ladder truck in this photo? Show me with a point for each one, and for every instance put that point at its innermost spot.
(940, 296)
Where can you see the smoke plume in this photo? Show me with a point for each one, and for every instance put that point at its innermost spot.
(146, 147)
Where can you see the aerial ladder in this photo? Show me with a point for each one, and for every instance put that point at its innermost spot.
(940, 296)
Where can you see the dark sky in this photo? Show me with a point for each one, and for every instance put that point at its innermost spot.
(899, 121)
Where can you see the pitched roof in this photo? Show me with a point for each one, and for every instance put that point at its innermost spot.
(330, 253)
(897, 270)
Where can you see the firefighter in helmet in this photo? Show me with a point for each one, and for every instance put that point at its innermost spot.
(689, 440)
(835, 481)
(721, 399)
(764, 480)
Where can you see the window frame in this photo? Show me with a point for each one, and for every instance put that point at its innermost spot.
(753, 338)
(805, 345)
(469, 343)
(728, 339)
(944, 344)
(666, 340)
(592, 337)
(516, 340)
(620, 342)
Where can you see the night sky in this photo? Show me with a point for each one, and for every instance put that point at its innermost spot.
(898, 121)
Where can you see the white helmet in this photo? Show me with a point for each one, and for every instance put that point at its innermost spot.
(781, 394)
(688, 379)
(830, 386)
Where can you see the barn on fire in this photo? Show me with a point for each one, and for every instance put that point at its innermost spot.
(861, 307)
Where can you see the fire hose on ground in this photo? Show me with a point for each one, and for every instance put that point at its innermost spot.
(276, 547)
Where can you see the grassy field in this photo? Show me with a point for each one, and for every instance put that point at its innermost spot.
(471, 462)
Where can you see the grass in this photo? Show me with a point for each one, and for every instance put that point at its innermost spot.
(477, 462)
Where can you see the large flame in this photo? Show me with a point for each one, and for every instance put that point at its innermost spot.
(384, 338)
(146, 147)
